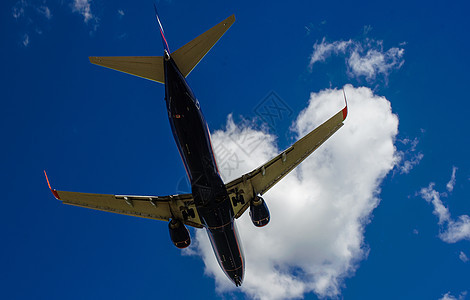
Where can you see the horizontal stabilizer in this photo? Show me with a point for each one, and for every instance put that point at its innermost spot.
(188, 56)
(148, 67)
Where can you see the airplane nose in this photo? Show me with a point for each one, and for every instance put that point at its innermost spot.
(236, 276)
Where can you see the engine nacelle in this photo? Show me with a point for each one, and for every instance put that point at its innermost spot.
(259, 212)
(179, 234)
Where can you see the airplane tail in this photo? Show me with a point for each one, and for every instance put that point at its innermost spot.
(186, 57)
(162, 33)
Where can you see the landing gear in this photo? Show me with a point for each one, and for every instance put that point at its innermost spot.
(238, 199)
(237, 280)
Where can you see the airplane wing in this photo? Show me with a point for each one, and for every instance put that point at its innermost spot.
(257, 182)
(181, 207)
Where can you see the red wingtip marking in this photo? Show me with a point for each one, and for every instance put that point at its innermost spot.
(54, 192)
(345, 109)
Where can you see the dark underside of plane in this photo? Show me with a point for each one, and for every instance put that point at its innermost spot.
(212, 204)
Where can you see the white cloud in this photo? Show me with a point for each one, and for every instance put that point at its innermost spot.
(18, 9)
(26, 13)
(451, 231)
(409, 158)
(364, 59)
(366, 29)
(319, 211)
(83, 7)
(45, 11)
(457, 230)
(408, 155)
(433, 196)
(408, 165)
(25, 40)
(21, 6)
(463, 257)
(375, 62)
(324, 50)
(450, 185)
(448, 296)
(121, 13)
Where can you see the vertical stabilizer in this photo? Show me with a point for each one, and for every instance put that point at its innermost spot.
(162, 33)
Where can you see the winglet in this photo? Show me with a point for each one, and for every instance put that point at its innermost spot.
(345, 109)
(162, 33)
(54, 192)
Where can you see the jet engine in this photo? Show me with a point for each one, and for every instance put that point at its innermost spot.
(179, 234)
(259, 212)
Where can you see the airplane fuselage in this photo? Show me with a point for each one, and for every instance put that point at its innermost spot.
(210, 195)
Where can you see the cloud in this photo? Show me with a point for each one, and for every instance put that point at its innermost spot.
(32, 17)
(45, 11)
(363, 59)
(83, 7)
(25, 40)
(409, 158)
(375, 62)
(366, 29)
(450, 185)
(457, 230)
(451, 231)
(433, 196)
(19, 8)
(408, 165)
(121, 13)
(448, 296)
(463, 257)
(319, 211)
(324, 50)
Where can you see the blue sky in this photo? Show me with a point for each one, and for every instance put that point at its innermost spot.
(404, 65)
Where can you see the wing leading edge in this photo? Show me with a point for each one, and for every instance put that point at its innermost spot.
(257, 182)
(163, 208)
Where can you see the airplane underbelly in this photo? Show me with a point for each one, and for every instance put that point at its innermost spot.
(227, 248)
(193, 142)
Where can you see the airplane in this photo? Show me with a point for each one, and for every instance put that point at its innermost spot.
(212, 204)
